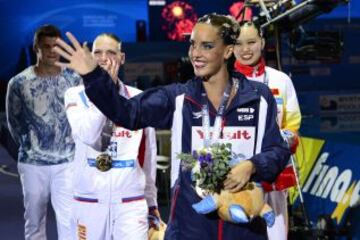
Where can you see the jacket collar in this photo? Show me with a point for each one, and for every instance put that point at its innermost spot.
(251, 71)
(246, 92)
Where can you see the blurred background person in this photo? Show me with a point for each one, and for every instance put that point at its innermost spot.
(115, 168)
(248, 52)
(37, 122)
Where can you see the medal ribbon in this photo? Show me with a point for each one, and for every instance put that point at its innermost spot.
(106, 135)
(208, 138)
(109, 126)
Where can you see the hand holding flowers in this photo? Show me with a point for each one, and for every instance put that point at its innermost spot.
(212, 166)
(238, 176)
(209, 167)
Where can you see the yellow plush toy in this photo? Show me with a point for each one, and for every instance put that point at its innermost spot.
(239, 207)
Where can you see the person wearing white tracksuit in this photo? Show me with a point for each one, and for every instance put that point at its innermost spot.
(248, 52)
(111, 202)
(37, 122)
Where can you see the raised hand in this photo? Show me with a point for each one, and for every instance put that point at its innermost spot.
(112, 67)
(79, 57)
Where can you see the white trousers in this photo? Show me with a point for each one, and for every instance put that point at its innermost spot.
(100, 221)
(278, 201)
(39, 185)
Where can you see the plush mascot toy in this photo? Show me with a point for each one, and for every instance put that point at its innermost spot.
(215, 162)
(239, 207)
(242, 206)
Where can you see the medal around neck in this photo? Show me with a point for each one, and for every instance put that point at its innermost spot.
(103, 162)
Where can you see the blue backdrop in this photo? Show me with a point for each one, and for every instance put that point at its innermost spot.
(19, 19)
(87, 18)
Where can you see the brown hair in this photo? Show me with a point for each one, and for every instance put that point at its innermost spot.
(228, 27)
(45, 31)
(229, 31)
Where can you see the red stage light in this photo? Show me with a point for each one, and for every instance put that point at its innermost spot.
(177, 11)
(235, 10)
(178, 19)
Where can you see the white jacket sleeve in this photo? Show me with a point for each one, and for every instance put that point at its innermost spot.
(149, 167)
(292, 114)
(85, 119)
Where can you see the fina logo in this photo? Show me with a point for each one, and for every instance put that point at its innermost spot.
(327, 182)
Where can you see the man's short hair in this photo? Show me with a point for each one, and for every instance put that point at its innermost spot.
(47, 30)
(110, 35)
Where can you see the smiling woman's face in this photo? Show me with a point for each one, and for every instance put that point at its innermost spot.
(207, 51)
(249, 46)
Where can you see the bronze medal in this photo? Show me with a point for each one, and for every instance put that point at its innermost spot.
(103, 162)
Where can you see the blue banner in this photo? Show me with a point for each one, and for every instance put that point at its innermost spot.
(332, 187)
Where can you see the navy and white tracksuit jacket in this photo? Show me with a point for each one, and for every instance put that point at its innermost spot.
(249, 124)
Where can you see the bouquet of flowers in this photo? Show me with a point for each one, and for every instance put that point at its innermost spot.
(209, 167)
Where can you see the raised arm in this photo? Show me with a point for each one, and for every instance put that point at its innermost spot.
(151, 108)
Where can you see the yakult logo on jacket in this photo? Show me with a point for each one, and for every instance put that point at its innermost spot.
(241, 138)
(239, 134)
(124, 133)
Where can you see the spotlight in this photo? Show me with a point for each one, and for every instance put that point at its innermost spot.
(177, 11)
(178, 18)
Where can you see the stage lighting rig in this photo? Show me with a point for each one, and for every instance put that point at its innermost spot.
(281, 16)
(288, 14)
(324, 46)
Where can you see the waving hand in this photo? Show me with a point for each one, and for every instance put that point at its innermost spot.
(79, 57)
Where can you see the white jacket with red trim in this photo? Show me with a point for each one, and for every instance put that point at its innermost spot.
(133, 151)
(289, 116)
